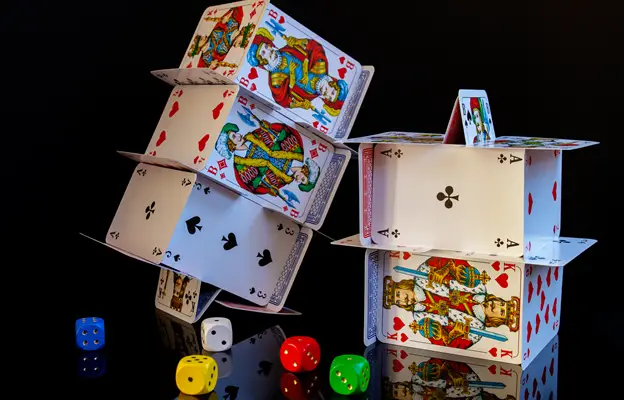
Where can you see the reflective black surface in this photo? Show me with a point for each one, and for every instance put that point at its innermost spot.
(79, 89)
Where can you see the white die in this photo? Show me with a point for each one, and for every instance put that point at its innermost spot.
(216, 334)
(224, 362)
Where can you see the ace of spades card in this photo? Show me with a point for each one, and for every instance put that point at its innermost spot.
(261, 154)
(223, 36)
(257, 367)
(476, 116)
(406, 373)
(427, 196)
(465, 306)
(289, 65)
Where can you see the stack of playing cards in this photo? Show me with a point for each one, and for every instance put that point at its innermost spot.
(463, 236)
(244, 162)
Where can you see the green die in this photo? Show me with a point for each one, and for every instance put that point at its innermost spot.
(349, 374)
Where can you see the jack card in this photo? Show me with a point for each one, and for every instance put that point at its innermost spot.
(476, 116)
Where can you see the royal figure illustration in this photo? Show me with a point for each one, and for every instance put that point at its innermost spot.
(297, 72)
(268, 159)
(450, 303)
(179, 287)
(437, 379)
(480, 120)
(227, 33)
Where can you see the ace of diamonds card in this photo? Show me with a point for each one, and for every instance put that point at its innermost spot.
(467, 307)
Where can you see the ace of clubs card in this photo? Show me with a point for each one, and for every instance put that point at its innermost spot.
(258, 153)
(223, 36)
(433, 301)
(406, 371)
(282, 50)
(178, 293)
(448, 198)
(476, 116)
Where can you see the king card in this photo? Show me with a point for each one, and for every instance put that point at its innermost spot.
(473, 307)
(259, 152)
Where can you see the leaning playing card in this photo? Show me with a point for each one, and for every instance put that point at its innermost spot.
(476, 116)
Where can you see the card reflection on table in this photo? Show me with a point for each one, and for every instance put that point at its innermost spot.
(177, 335)
(405, 373)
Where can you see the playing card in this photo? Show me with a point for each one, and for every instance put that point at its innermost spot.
(408, 373)
(542, 308)
(186, 131)
(542, 199)
(426, 196)
(284, 283)
(231, 242)
(537, 143)
(465, 306)
(400, 137)
(539, 379)
(263, 153)
(476, 116)
(147, 209)
(289, 65)
(176, 335)
(223, 36)
(178, 293)
(257, 367)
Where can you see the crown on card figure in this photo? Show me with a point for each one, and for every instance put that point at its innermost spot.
(513, 314)
(426, 370)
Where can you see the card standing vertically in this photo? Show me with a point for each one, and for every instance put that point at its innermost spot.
(476, 116)
(146, 207)
(178, 294)
(470, 306)
(426, 196)
(231, 242)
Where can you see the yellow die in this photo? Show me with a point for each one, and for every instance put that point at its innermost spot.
(196, 375)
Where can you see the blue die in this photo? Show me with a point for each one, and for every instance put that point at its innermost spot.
(90, 333)
(91, 365)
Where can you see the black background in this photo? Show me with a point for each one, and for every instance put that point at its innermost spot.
(78, 88)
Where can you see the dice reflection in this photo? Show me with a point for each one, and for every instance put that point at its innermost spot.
(209, 396)
(224, 362)
(91, 364)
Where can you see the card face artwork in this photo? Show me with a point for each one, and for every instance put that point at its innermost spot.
(178, 294)
(189, 125)
(448, 198)
(223, 36)
(257, 367)
(415, 374)
(538, 143)
(400, 137)
(149, 210)
(476, 116)
(467, 305)
(289, 65)
(259, 152)
(231, 242)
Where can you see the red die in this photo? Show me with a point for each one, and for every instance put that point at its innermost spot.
(294, 388)
(300, 354)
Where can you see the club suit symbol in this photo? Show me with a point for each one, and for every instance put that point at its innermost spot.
(150, 209)
(447, 197)
(502, 159)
